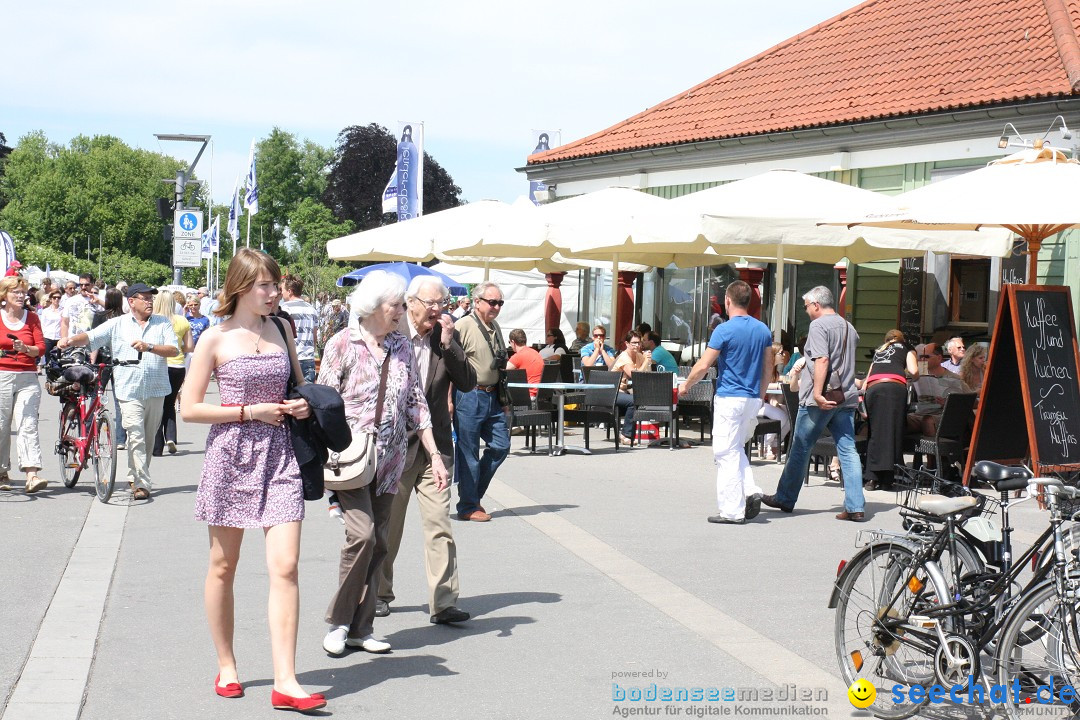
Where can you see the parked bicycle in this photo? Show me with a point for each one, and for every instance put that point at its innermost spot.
(933, 605)
(86, 439)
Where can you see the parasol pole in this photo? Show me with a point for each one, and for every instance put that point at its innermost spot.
(614, 297)
(778, 310)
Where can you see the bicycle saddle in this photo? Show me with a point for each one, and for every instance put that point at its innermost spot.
(1002, 477)
(940, 505)
(79, 374)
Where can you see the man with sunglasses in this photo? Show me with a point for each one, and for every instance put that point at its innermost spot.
(597, 353)
(480, 414)
(77, 310)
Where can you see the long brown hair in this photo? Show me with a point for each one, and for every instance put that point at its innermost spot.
(893, 336)
(243, 273)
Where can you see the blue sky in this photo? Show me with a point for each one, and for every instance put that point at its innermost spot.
(483, 76)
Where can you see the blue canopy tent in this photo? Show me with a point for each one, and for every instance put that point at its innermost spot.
(405, 270)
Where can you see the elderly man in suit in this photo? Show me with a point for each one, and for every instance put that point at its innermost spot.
(441, 360)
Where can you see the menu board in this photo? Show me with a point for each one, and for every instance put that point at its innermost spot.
(909, 318)
(1052, 389)
(1014, 268)
(1031, 374)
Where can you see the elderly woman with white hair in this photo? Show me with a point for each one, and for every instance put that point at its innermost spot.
(357, 361)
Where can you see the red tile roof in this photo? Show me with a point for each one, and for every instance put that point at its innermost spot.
(881, 59)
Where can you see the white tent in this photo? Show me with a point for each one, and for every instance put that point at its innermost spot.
(524, 293)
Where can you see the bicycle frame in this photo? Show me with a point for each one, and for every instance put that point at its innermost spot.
(89, 408)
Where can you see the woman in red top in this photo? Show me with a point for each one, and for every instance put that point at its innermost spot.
(886, 405)
(21, 344)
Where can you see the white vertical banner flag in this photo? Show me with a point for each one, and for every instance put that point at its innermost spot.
(389, 194)
(234, 214)
(410, 170)
(210, 239)
(251, 185)
(215, 236)
(542, 145)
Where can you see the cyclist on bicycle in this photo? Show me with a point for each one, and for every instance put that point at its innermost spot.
(141, 388)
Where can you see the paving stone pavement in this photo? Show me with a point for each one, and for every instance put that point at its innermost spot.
(596, 575)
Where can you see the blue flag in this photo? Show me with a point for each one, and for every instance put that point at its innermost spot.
(410, 172)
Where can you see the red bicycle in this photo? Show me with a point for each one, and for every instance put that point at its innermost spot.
(86, 426)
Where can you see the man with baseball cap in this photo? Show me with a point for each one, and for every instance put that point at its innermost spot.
(140, 389)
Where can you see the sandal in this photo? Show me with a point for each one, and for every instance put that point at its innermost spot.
(5, 482)
(35, 482)
(835, 474)
(141, 494)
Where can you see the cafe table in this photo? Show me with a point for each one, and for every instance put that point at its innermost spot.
(559, 390)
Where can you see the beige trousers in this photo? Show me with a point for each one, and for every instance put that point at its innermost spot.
(140, 419)
(367, 520)
(440, 552)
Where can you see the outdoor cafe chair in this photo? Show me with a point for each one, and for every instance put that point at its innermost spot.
(599, 404)
(950, 442)
(698, 403)
(654, 402)
(524, 414)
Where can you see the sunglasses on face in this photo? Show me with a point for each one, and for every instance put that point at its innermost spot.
(599, 336)
(494, 303)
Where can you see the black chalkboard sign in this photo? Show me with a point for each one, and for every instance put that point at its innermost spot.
(1014, 268)
(1031, 375)
(909, 312)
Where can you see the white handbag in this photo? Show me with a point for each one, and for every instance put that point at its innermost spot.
(355, 466)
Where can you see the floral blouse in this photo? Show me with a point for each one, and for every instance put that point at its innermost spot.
(349, 366)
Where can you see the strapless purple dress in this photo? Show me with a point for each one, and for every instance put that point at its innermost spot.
(250, 478)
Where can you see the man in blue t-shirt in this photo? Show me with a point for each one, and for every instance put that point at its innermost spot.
(664, 361)
(742, 351)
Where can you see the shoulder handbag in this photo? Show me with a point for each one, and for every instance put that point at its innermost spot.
(834, 390)
(354, 467)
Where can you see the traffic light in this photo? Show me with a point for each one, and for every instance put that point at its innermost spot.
(165, 209)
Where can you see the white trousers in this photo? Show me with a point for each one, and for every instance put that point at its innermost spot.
(141, 419)
(734, 420)
(20, 398)
(772, 412)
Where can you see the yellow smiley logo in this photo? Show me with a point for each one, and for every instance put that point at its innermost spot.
(862, 693)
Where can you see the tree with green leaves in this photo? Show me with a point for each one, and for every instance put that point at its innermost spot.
(97, 187)
(362, 164)
(288, 172)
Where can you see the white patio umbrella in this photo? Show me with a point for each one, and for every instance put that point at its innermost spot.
(1032, 193)
(426, 237)
(777, 214)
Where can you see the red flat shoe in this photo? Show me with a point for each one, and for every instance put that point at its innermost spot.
(281, 701)
(228, 690)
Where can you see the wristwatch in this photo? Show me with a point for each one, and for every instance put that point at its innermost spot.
(149, 347)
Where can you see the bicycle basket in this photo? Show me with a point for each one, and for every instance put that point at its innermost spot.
(61, 388)
(1068, 474)
(912, 483)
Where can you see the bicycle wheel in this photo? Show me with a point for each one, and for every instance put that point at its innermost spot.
(1040, 648)
(103, 461)
(66, 449)
(892, 659)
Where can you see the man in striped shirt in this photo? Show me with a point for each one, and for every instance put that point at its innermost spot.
(306, 320)
(141, 389)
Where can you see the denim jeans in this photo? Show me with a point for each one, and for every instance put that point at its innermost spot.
(625, 402)
(307, 368)
(809, 425)
(478, 417)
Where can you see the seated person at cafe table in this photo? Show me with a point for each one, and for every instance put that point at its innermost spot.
(933, 386)
(596, 353)
(556, 346)
(525, 358)
(630, 360)
(661, 358)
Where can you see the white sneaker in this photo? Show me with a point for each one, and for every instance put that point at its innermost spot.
(171, 446)
(334, 642)
(368, 643)
(121, 446)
